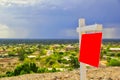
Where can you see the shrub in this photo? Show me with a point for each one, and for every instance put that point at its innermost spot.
(33, 67)
(53, 70)
(70, 69)
(114, 62)
(74, 62)
(23, 72)
(9, 73)
(42, 70)
(118, 54)
(25, 68)
(17, 70)
(11, 53)
(110, 54)
(108, 59)
(64, 61)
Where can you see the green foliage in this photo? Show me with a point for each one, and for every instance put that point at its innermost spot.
(24, 68)
(104, 51)
(64, 61)
(74, 62)
(108, 59)
(73, 53)
(114, 62)
(70, 69)
(27, 68)
(111, 54)
(33, 67)
(52, 60)
(58, 59)
(21, 54)
(9, 73)
(24, 52)
(43, 52)
(101, 55)
(42, 70)
(11, 53)
(23, 72)
(118, 54)
(54, 70)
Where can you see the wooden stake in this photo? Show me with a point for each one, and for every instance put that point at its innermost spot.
(82, 65)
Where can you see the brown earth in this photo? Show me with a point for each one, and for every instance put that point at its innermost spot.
(108, 73)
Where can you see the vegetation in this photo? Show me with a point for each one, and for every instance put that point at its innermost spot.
(24, 68)
(27, 68)
(36, 57)
(74, 62)
(114, 62)
(25, 58)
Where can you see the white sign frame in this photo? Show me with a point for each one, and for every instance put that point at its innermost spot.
(84, 29)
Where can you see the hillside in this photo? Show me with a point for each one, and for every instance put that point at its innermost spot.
(108, 73)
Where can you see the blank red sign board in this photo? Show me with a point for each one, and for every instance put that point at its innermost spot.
(90, 48)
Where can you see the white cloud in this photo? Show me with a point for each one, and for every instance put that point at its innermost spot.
(64, 4)
(47, 3)
(53, 4)
(7, 32)
(18, 2)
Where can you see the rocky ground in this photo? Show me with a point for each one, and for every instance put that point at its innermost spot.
(107, 73)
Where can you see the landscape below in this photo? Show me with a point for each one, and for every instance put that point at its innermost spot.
(30, 56)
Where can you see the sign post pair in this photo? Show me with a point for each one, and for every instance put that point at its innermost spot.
(90, 38)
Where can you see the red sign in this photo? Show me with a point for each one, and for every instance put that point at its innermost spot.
(90, 48)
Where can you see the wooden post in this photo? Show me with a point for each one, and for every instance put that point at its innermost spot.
(82, 65)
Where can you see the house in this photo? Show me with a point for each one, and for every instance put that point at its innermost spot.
(115, 49)
(32, 56)
(69, 47)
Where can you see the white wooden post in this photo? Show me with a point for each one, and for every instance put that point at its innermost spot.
(82, 65)
(83, 29)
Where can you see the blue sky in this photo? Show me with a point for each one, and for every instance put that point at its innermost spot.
(57, 18)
